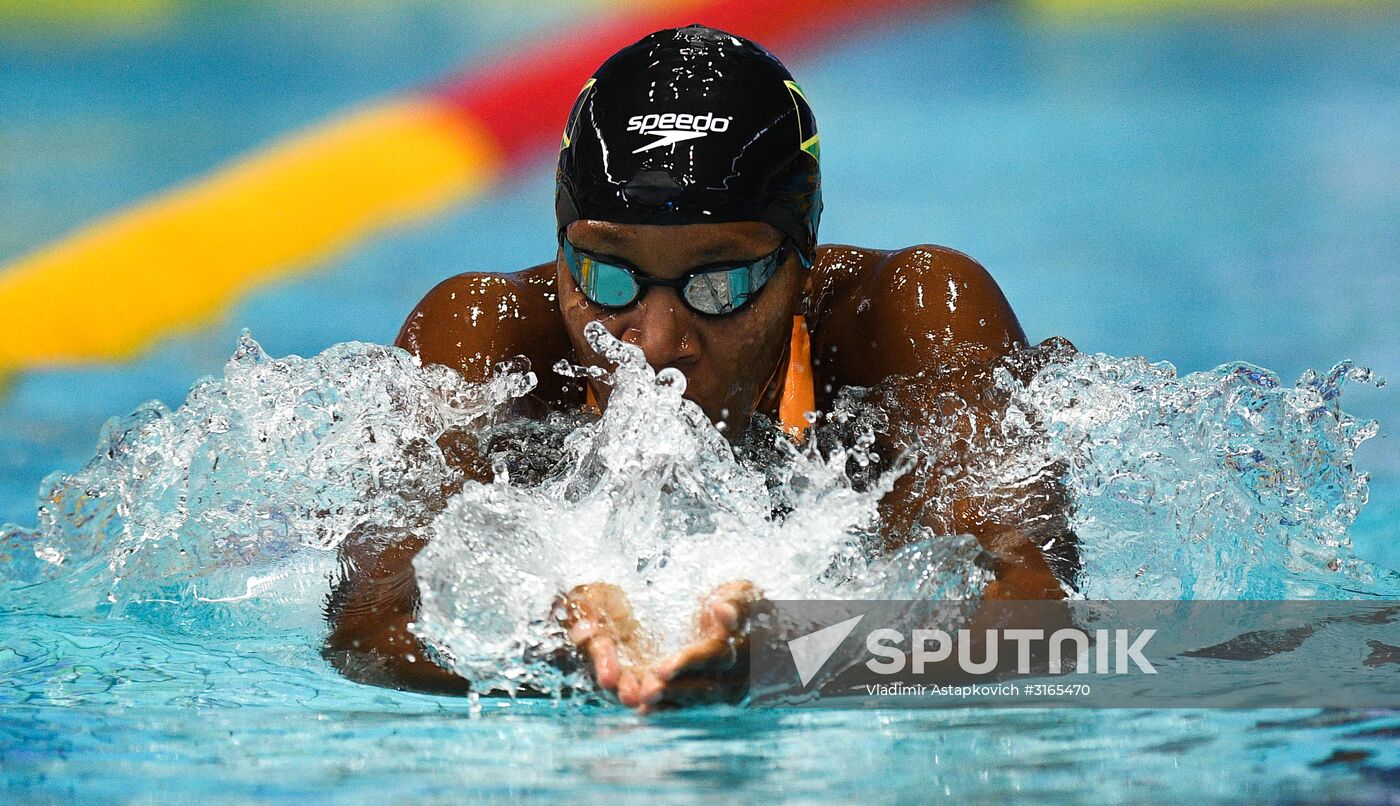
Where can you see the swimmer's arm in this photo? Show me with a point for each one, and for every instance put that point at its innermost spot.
(940, 309)
(376, 596)
(1026, 528)
(469, 323)
(370, 611)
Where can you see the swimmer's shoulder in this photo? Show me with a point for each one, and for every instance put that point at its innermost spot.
(878, 312)
(472, 321)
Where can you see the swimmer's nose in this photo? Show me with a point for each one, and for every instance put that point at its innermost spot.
(662, 328)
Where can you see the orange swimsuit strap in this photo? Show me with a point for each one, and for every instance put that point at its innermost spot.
(799, 396)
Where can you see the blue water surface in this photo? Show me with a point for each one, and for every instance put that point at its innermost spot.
(1196, 190)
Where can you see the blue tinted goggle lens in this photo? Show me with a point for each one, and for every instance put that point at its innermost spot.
(603, 283)
(715, 292)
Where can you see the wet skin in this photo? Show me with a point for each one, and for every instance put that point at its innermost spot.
(871, 314)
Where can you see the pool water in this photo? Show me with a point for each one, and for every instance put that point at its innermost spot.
(258, 721)
(1193, 190)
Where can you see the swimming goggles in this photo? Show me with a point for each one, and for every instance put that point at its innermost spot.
(713, 290)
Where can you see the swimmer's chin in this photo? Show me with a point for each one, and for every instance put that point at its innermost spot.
(730, 419)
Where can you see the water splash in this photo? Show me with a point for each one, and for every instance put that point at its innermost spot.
(228, 509)
(226, 513)
(651, 497)
(1226, 484)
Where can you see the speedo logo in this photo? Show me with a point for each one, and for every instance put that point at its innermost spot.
(672, 128)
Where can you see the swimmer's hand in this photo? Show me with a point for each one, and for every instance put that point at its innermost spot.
(713, 667)
(600, 624)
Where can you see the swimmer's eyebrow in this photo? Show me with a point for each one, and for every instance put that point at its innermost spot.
(718, 252)
(721, 253)
(715, 257)
(607, 257)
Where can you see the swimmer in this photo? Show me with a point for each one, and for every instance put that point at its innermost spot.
(687, 202)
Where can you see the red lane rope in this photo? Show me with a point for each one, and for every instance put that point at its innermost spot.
(523, 98)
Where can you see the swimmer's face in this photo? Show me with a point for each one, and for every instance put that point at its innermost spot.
(728, 360)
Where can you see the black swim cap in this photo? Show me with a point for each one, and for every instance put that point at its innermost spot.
(689, 126)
